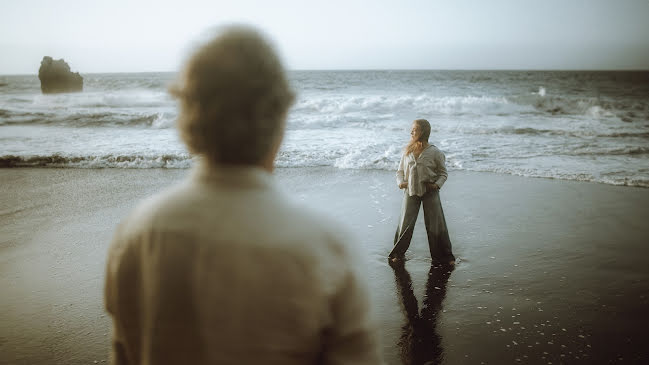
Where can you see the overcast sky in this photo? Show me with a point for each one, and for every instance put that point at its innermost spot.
(135, 35)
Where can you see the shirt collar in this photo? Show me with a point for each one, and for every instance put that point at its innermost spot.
(422, 151)
(240, 176)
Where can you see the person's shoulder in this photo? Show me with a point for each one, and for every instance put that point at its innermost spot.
(434, 150)
(309, 219)
(321, 231)
(148, 213)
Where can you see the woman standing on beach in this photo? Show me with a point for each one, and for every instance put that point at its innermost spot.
(422, 172)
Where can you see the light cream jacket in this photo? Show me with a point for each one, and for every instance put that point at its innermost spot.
(430, 166)
(222, 269)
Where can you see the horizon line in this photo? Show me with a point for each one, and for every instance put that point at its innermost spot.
(380, 69)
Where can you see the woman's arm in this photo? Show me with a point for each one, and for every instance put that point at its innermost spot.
(400, 173)
(440, 162)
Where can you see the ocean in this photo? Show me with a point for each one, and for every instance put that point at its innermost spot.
(573, 125)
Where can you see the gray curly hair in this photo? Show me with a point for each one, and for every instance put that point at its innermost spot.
(234, 97)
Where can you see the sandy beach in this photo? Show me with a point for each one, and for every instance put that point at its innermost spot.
(548, 271)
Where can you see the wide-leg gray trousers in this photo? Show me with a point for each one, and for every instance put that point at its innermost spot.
(439, 242)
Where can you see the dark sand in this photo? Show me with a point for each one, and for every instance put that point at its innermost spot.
(549, 271)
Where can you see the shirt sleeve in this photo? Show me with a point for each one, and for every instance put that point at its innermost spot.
(118, 269)
(400, 170)
(440, 162)
(353, 336)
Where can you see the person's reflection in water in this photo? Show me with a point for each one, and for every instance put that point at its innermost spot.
(420, 343)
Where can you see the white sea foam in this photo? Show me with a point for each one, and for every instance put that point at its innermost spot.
(541, 91)
(586, 127)
(182, 161)
(387, 105)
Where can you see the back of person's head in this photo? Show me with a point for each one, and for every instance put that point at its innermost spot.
(234, 97)
(415, 145)
(424, 129)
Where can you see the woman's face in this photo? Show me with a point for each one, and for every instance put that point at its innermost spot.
(415, 132)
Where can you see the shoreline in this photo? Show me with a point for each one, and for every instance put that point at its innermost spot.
(545, 260)
(14, 162)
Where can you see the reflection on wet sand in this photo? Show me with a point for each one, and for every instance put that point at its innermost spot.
(420, 342)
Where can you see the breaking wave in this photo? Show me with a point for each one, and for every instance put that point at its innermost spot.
(156, 109)
(94, 119)
(354, 160)
(640, 182)
(105, 161)
(551, 132)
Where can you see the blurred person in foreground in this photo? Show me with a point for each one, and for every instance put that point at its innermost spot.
(222, 268)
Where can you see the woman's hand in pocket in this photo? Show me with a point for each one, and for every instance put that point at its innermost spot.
(431, 187)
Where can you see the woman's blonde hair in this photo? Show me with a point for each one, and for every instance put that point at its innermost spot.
(416, 146)
(234, 97)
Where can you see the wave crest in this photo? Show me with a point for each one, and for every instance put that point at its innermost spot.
(96, 119)
(105, 161)
(368, 159)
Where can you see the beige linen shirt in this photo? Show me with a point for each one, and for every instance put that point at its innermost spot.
(430, 166)
(222, 269)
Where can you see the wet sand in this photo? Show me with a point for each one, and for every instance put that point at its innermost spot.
(548, 271)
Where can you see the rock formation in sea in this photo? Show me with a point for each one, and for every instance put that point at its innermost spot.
(56, 77)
